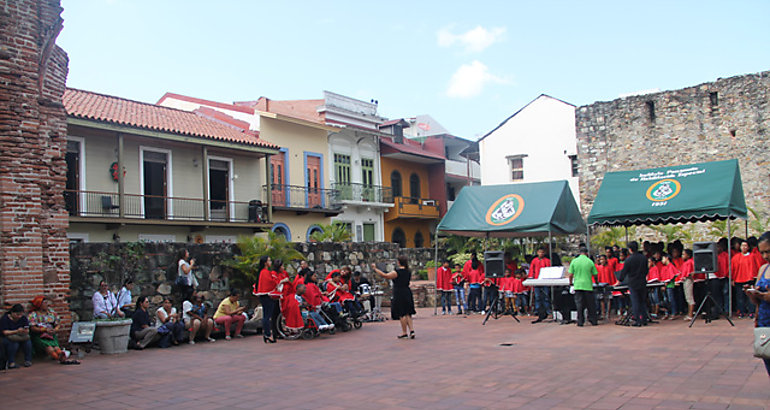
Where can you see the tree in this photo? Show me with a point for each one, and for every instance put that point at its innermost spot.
(334, 232)
(757, 223)
(612, 235)
(673, 232)
(253, 248)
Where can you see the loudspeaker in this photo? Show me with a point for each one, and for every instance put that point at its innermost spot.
(704, 255)
(494, 264)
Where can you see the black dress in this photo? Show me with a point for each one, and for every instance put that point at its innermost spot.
(403, 303)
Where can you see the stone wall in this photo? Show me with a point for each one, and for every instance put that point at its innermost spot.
(34, 257)
(154, 270)
(725, 119)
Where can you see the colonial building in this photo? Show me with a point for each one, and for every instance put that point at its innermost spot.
(415, 173)
(346, 159)
(138, 171)
(535, 144)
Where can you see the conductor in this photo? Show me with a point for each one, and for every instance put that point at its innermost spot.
(634, 274)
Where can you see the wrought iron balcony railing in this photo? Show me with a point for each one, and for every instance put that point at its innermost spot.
(107, 205)
(362, 193)
(301, 197)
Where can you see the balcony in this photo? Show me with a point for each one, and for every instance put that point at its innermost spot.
(105, 207)
(412, 208)
(303, 200)
(462, 170)
(361, 194)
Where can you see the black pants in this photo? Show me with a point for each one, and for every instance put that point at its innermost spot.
(584, 299)
(638, 304)
(716, 286)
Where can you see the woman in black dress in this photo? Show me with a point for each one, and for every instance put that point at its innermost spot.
(402, 307)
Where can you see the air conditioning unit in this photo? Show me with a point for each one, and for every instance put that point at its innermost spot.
(429, 202)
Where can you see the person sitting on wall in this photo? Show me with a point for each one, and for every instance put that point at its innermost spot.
(196, 319)
(14, 326)
(105, 303)
(124, 298)
(229, 312)
(168, 324)
(142, 331)
(44, 323)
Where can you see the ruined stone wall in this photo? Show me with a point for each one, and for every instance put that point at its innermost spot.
(154, 268)
(34, 257)
(725, 119)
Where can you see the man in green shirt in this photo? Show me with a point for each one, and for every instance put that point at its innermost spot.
(581, 272)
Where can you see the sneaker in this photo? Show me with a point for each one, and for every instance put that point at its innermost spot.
(239, 336)
(27, 364)
(67, 354)
(443, 313)
(687, 318)
(450, 313)
(191, 342)
(211, 339)
(228, 337)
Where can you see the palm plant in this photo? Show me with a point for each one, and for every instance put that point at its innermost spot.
(334, 232)
(759, 223)
(673, 232)
(612, 235)
(253, 248)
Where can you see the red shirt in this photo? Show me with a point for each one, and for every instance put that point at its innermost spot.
(267, 282)
(443, 278)
(653, 274)
(475, 276)
(669, 273)
(688, 267)
(468, 266)
(678, 262)
(536, 265)
(745, 268)
(517, 285)
(612, 265)
(758, 256)
(606, 274)
(723, 264)
(313, 294)
(340, 295)
(458, 278)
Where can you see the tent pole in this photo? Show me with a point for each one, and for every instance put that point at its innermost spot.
(729, 271)
(626, 235)
(588, 238)
(435, 263)
(747, 228)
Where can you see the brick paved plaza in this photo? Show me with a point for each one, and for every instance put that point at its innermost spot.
(453, 363)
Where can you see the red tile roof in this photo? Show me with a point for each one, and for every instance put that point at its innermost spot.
(107, 108)
(408, 147)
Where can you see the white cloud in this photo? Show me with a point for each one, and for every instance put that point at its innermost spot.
(474, 40)
(469, 80)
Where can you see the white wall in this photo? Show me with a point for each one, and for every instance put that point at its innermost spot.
(544, 131)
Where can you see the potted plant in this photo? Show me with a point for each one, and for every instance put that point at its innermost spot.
(112, 335)
(431, 267)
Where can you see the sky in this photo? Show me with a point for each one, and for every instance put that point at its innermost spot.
(469, 64)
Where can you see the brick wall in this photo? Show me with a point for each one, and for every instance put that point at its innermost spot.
(725, 119)
(34, 253)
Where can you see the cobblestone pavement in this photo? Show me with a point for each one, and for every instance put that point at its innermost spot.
(454, 362)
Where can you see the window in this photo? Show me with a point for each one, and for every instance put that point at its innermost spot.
(367, 178)
(651, 110)
(75, 158)
(399, 238)
(574, 164)
(714, 98)
(414, 189)
(450, 192)
(342, 169)
(516, 162)
(395, 183)
(419, 241)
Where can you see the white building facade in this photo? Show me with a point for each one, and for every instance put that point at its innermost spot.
(535, 144)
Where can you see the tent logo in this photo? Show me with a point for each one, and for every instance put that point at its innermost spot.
(663, 190)
(505, 210)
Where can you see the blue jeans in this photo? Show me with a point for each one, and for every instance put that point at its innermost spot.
(522, 301)
(672, 306)
(543, 299)
(474, 298)
(317, 318)
(268, 306)
(446, 301)
(489, 296)
(11, 348)
(460, 298)
(742, 302)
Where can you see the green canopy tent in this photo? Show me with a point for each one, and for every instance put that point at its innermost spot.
(513, 210)
(701, 192)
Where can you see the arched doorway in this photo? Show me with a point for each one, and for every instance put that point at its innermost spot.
(283, 230)
(414, 188)
(395, 183)
(313, 229)
(399, 238)
(419, 241)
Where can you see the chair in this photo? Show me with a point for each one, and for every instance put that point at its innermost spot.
(107, 204)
